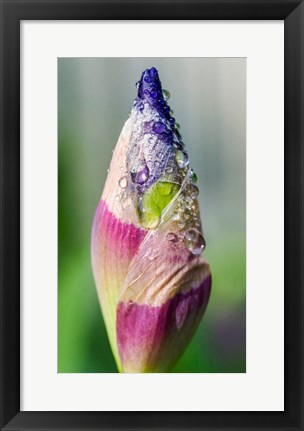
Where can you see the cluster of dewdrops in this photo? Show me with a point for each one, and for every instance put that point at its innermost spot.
(151, 157)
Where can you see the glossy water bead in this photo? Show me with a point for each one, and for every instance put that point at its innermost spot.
(166, 94)
(192, 176)
(141, 176)
(153, 94)
(123, 182)
(159, 127)
(182, 159)
(194, 241)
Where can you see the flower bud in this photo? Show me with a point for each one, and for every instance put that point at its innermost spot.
(152, 282)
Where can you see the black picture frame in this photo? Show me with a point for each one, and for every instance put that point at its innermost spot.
(12, 12)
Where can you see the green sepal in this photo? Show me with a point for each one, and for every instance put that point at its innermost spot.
(154, 201)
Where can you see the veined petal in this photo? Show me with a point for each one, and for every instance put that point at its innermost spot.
(165, 294)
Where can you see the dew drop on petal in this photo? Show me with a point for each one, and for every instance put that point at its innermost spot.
(140, 177)
(182, 159)
(175, 216)
(123, 182)
(178, 145)
(192, 176)
(140, 205)
(194, 191)
(194, 241)
(166, 94)
(159, 127)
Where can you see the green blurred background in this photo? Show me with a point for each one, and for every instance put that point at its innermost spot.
(208, 96)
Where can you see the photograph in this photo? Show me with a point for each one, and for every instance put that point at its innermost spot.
(151, 215)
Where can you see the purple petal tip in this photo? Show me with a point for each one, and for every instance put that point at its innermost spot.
(150, 90)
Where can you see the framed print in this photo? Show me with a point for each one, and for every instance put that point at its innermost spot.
(151, 217)
(183, 234)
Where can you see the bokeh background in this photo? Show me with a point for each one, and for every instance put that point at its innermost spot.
(208, 96)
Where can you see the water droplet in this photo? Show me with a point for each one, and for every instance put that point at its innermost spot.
(172, 237)
(137, 84)
(194, 191)
(181, 224)
(175, 216)
(177, 126)
(182, 159)
(123, 182)
(194, 241)
(166, 94)
(156, 164)
(140, 177)
(169, 170)
(140, 205)
(178, 145)
(148, 79)
(172, 121)
(108, 170)
(192, 176)
(171, 112)
(117, 198)
(153, 94)
(159, 127)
